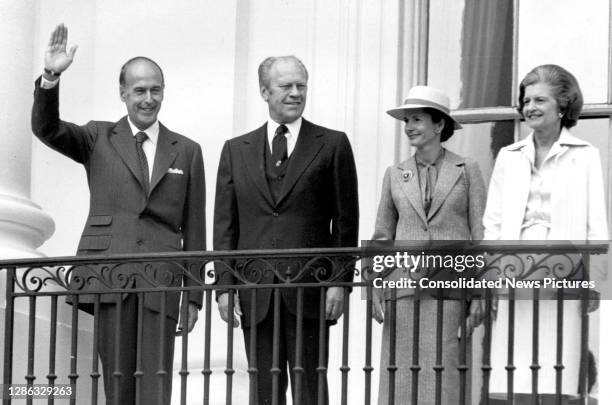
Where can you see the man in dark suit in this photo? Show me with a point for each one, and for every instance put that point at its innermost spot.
(287, 184)
(146, 195)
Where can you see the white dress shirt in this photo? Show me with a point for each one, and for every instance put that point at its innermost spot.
(149, 146)
(48, 84)
(536, 223)
(291, 134)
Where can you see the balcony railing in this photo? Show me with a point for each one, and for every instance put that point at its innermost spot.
(36, 286)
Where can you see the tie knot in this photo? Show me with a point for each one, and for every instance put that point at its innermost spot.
(280, 131)
(141, 137)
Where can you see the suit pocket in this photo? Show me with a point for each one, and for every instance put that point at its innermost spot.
(94, 242)
(100, 220)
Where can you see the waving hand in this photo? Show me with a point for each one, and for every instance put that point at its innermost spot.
(56, 58)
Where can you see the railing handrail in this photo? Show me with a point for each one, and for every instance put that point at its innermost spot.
(195, 288)
(583, 247)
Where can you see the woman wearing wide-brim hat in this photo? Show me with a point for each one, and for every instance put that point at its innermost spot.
(434, 195)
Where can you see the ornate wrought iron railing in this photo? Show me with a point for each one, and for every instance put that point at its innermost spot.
(298, 269)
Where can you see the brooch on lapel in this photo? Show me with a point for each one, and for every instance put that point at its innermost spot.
(407, 175)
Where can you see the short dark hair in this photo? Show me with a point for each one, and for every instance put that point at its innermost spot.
(263, 72)
(564, 85)
(136, 59)
(449, 124)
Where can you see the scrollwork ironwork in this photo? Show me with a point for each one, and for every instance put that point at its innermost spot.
(283, 269)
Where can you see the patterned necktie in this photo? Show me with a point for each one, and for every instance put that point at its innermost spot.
(144, 166)
(430, 181)
(279, 146)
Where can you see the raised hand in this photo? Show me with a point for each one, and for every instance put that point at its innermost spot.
(56, 58)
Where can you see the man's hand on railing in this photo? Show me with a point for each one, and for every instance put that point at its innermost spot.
(593, 302)
(477, 314)
(223, 304)
(378, 306)
(192, 318)
(334, 303)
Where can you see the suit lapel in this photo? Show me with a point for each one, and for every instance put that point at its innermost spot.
(122, 140)
(253, 150)
(165, 155)
(450, 171)
(409, 184)
(308, 145)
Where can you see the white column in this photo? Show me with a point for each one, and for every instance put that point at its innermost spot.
(23, 226)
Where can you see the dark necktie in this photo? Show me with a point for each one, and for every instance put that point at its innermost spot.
(279, 146)
(142, 158)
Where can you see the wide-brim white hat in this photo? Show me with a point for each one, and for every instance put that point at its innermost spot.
(424, 97)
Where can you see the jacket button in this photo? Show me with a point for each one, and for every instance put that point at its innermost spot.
(139, 242)
(275, 214)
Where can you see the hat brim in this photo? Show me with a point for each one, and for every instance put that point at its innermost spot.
(401, 111)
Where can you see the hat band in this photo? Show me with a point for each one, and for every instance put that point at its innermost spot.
(428, 103)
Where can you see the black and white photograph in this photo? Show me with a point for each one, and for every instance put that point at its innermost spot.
(289, 202)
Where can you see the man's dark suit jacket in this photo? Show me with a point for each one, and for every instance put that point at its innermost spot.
(122, 219)
(317, 206)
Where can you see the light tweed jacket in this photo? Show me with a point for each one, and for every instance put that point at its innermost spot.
(456, 210)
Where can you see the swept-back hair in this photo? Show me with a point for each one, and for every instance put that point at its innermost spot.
(565, 88)
(264, 68)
